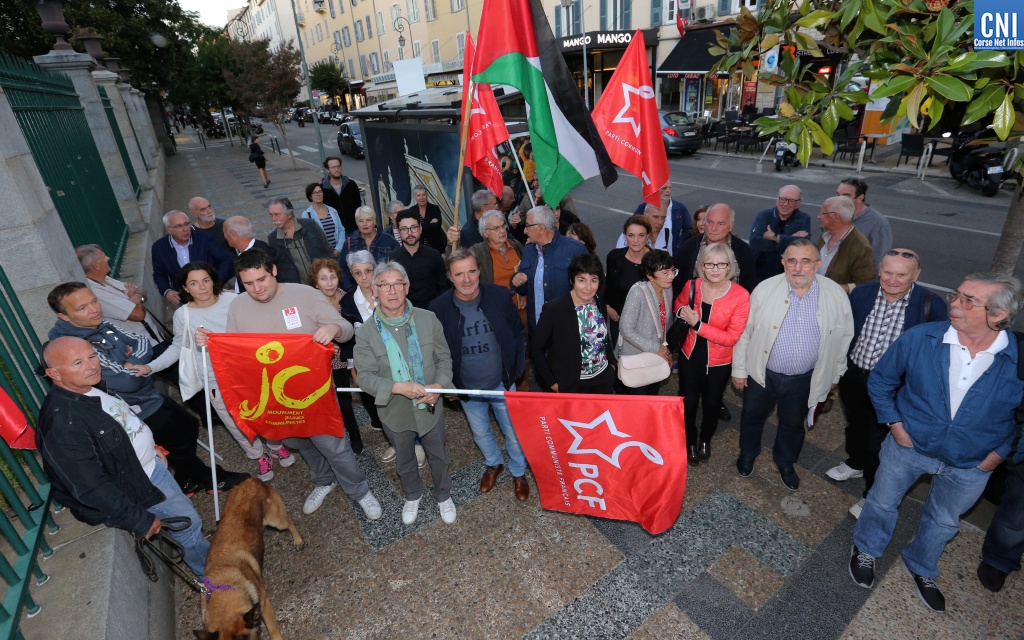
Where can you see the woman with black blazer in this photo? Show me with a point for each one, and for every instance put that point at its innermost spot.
(569, 347)
(430, 218)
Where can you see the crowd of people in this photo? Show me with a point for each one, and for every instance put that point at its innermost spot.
(788, 320)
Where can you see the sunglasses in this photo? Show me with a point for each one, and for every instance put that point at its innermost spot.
(905, 254)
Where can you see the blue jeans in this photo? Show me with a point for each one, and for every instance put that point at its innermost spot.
(1004, 543)
(953, 492)
(790, 394)
(176, 504)
(480, 423)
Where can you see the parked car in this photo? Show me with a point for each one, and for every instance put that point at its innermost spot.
(350, 139)
(680, 133)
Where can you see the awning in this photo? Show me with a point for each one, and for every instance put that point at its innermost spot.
(690, 54)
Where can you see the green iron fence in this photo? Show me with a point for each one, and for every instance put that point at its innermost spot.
(118, 138)
(53, 121)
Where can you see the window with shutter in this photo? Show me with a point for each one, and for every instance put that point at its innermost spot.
(627, 15)
(558, 22)
(375, 62)
(724, 7)
(460, 43)
(656, 12)
(351, 69)
(387, 60)
(416, 48)
(369, 28)
(604, 15)
(380, 23)
(330, 3)
(576, 9)
(362, 64)
(401, 53)
(435, 46)
(346, 37)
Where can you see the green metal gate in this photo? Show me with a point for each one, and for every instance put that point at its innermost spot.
(118, 138)
(53, 121)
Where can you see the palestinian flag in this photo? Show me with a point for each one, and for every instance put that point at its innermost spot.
(515, 46)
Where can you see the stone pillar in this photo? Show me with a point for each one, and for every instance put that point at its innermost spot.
(154, 110)
(79, 67)
(109, 82)
(37, 252)
(143, 126)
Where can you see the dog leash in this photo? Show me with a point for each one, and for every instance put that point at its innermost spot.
(177, 552)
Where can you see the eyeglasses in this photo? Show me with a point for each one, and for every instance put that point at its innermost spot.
(408, 229)
(966, 302)
(532, 224)
(716, 265)
(390, 286)
(829, 213)
(175, 227)
(789, 200)
(803, 262)
(667, 273)
(905, 254)
(494, 228)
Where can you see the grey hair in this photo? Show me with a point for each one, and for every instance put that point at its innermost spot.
(284, 202)
(365, 212)
(544, 216)
(384, 267)
(803, 242)
(167, 216)
(649, 208)
(459, 254)
(419, 187)
(1009, 297)
(732, 212)
(360, 257)
(843, 205)
(87, 255)
(480, 199)
(493, 213)
(239, 224)
(722, 249)
(791, 186)
(395, 205)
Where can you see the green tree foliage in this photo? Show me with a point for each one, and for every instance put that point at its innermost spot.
(328, 78)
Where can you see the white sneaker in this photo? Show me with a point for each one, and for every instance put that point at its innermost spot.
(410, 511)
(842, 472)
(421, 457)
(447, 511)
(370, 506)
(389, 455)
(316, 497)
(856, 508)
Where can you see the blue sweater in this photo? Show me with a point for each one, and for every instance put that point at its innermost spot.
(911, 384)
(862, 300)
(557, 255)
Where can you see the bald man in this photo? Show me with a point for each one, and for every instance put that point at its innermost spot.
(101, 459)
(206, 220)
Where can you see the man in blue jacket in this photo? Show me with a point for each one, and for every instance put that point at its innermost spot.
(948, 392)
(544, 269)
(882, 311)
(488, 346)
(181, 246)
(774, 228)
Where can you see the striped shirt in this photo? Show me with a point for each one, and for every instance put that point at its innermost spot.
(883, 325)
(330, 230)
(795, 351)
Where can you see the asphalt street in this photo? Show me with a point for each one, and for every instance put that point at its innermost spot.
(954, 230)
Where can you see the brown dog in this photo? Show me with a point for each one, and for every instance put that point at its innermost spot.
(234, 565)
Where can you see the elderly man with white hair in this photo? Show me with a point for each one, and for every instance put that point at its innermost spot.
(179, 247)
(846, 256)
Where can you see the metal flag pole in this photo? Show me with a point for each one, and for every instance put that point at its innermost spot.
(209, 428)
(443, 392)
(515, 156)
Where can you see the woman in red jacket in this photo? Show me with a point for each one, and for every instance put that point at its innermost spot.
(717, 315)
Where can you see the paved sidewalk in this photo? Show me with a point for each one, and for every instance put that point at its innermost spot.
(746, 559)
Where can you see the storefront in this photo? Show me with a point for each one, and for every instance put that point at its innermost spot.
(604, 49)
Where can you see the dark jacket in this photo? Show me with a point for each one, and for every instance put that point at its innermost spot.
(555, 347)
(482, 253)
(92, 465)
(557, 255)
(313, 239)
(350, 312)
(381, 247)
(852, 262)
(497, 307)
(686, 260)
(428, 277)
(862, 300)
(682, 223)
(433, 233)
(346, 203)
(203, 247)
(768, 254)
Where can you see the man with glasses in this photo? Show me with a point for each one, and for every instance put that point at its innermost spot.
(179, 247)
(774, 228)
(469, 234)
(866, 218)
(791, 355)
(845, 252)
(427, 276)
(342, 193)
(948, 393)
(882, 311)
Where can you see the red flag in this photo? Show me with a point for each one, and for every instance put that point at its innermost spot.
(14, 427)
(277, 385)
(619, 457)
(486, 128)
(681, 24)
(627, 119)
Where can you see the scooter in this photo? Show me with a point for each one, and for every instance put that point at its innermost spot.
(979, 166)
(785, 155)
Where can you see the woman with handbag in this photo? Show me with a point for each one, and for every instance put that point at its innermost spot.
(256, 155)
(716, 309)
(205, 304)
(569, 347)
(643, 328)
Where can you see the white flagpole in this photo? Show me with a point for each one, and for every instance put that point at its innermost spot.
(444, 392)
(515, 156)
(209, 429)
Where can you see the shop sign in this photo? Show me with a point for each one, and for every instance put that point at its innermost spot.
(618, 39)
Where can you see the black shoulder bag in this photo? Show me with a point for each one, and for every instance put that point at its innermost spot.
(677, 332)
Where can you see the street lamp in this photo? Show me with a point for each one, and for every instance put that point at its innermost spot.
(397, 26)
(566, 4)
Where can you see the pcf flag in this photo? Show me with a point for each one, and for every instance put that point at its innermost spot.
(486, 129)
(627, 118)
(277, 385)
(621, 457)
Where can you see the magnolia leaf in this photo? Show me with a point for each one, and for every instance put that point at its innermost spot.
(814, 19)
(830, 119)
(843, 110)
(914, 104)
(822, 139)
(984, 104)
(805, 147)
(716, 51)
(769, 41)
(950, 87)
(805, 7)
(1004, 118)
(899, 84)
(935, 111)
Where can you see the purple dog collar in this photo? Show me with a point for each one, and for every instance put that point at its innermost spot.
(211, 587)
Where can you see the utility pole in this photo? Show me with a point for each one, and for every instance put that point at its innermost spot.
(309, 88)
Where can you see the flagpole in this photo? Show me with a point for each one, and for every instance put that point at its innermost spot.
(529, 191)
(209, 429)
(467, 102)
(444, 392)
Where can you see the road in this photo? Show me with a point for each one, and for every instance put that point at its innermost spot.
(955, 231)
(304, 146)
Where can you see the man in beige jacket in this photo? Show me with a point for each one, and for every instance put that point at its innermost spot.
(791, 355)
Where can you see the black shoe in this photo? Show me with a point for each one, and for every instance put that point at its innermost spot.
(692, 457)
(377, 427)
(724, 414)
(226, 480)
(990, 577)
(704, 451)
(192, 487)
(744, 468)
(790, 479)
(927, 590)
(862, 568)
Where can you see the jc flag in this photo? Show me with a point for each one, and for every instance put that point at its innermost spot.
(998, 25)
(276, 385)
(618, 457)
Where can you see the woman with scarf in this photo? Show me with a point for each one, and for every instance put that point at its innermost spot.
(401, 354)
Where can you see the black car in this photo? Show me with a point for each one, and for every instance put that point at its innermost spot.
(680, 133)
(350, 139)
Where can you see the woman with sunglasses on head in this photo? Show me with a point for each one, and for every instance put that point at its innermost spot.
(647, 315)
(716, 308)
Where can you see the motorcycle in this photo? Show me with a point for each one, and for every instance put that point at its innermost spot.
(979, 166)
(785, 155)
